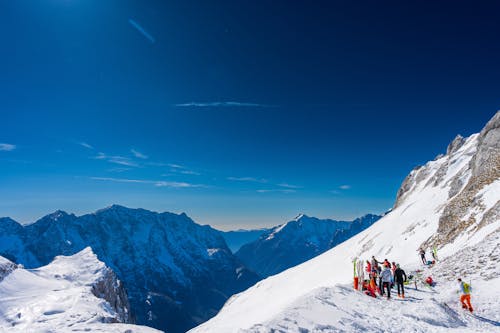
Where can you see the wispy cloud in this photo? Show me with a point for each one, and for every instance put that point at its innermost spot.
(289, 186)
(344, 187)
(177, 184)
(141, 30)
(158, 183)
(276, 191)
(190, 172)
(138, 154)
(248, 179)
(223, 104)
(121, 160)
(175, 166)
(7, 147)
(86, 145)
(119, 169)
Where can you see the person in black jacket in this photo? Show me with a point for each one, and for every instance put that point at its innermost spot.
(398, 277)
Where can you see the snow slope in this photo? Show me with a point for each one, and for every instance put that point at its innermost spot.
(451, 202)
(60, 297)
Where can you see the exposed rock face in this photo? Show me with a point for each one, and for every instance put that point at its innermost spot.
(112, 290)
(455, 145)
(408, 183)
(484, 169)
(6, 267)
(465, 207)
(485, 163)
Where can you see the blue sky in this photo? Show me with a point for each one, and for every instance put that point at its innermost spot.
(239, 113)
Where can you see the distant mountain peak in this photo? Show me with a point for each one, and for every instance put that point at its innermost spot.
(57, 215)
(113, 207)
(300, 217)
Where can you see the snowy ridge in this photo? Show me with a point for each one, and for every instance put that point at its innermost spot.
(281, 301)
(60, 297)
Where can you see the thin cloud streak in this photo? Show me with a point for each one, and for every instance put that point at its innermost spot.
(248, 179)
(116, 159)
(345, 187)
(190, 172)
(7, 147)
(157, 183)
(86, 145)
(143, 31)
(175, 166)
(289, 186)
(138, 154)
(223, 104)
(277, 191)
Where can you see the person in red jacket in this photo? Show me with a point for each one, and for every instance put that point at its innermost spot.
(369, 268)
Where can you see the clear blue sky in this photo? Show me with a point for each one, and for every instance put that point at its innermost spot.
(239, 113)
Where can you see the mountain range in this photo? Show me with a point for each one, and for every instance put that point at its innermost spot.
(177, 273)
(297, 241)
(120, 266)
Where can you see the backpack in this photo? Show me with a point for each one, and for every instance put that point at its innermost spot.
(467, 288)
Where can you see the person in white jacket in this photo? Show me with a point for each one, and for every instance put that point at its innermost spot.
(386, 276)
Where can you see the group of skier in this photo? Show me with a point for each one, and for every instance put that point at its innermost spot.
(385, 275)
(388, 274)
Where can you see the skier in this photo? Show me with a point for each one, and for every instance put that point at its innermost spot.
(398, 276)
(369, 288)
(374, 262)
(393, 269)
(379, 273)
(387, 263)
(434, 253)
(368, 268)
(465, 289)
(374, 274)
(422, 256)
(386, 280)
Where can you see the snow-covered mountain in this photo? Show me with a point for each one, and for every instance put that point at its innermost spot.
(451, 202)
(297, 241)
(235, 239)
(76, 293)
(177, 273)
